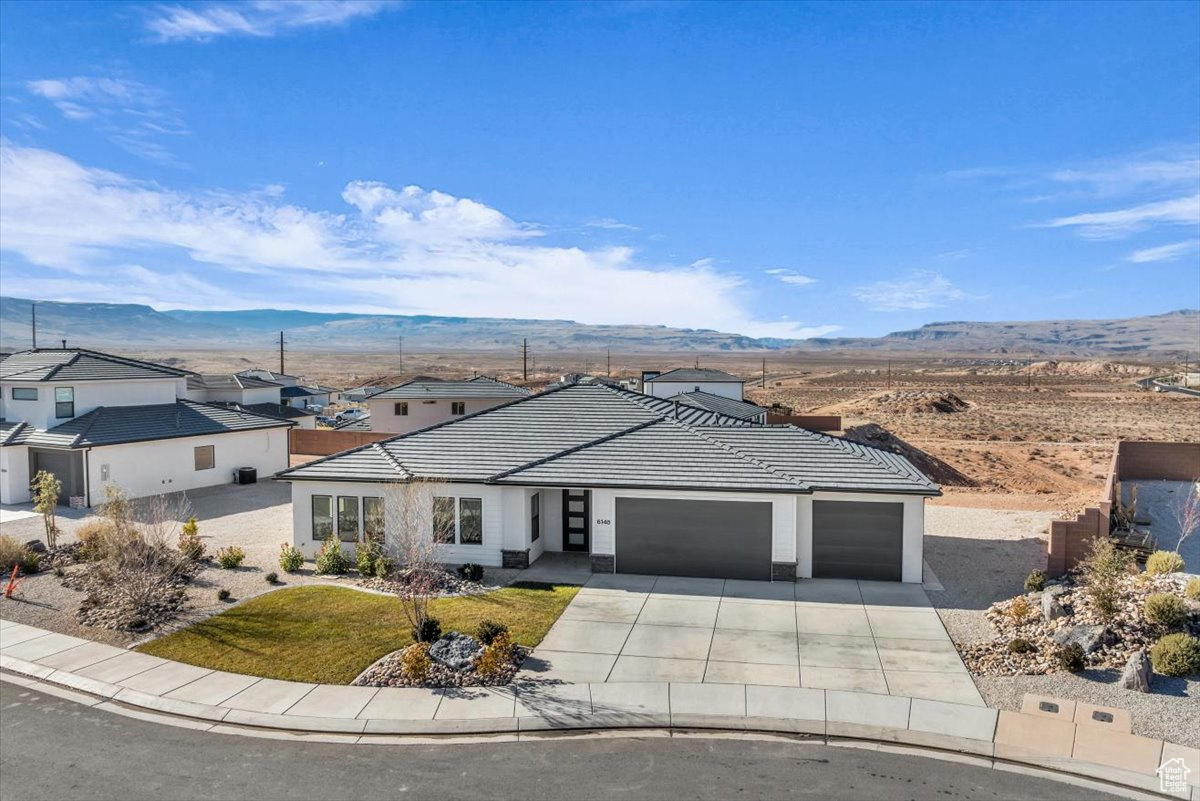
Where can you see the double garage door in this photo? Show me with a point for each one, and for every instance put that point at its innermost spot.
(732, 539)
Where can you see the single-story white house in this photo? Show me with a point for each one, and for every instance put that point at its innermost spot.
(641, 484)
(692, 379)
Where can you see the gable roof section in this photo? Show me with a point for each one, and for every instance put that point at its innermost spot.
(719, 403)
(115, 425)
(10, 431)
(228, 382)
(684, 374)
(305, 392)
(598, 435)
(478, 387)
(276, 410)
(79, 364)
(360, 424)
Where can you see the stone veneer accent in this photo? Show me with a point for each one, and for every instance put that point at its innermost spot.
(604, 563)
(515, 560)
(783, 571)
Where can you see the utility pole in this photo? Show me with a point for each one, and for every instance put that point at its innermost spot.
(33, 314)
(281, 370)
(608, 368)
(401, 354)
(525, 359)
(764, 378)
(889, 374)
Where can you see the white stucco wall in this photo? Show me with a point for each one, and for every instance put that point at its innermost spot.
(168, 465)
(243, 396)
(422, 413)
(669, 389)
(14, 474)
(88, 396)
(913, 549)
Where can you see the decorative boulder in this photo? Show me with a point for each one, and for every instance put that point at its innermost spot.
(1088, 637)
(36, 546)
(1051, 608)
(1136, 675)
(456, 651)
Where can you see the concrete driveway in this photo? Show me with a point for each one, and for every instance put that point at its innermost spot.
(835, 634)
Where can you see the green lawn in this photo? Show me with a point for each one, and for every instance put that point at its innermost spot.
(331, 634)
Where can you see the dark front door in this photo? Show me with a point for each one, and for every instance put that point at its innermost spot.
(577, 515)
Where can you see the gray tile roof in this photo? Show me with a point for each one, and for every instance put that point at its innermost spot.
(305, 392)
(479, 387)
(361, 424)
(78, 364)
(599, 435)
(684, 374)
(113, 425)
(10, 431)
(227, 382)
(719, 403)
(277, 410)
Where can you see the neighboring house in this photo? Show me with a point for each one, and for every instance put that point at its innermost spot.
(302, 397)
(692, 379)
(642, 484)
(303, 418)
(240, 389)
(283, 379)
(743, 410)
(357, 394)
(420, 404)
(93, 418)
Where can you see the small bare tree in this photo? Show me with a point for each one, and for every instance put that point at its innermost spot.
(46, 489)
(1186, 511)
(410, 521)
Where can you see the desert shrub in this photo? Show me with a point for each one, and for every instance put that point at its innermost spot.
(1101, 573)
(1168, 611)
(1160, 563)
(330, 559)
(1020, 645)
(31, 561)
(11, 552)
(222, 594)
(271, 577)
(496, 658)
(1020, 608)
(471, 572)
(1070, 657)
(290, 558)
(415, 662)
(383, 567)
(1192, 589)
(95, 538)
(429, 630)
(1176, 655)
(1035, 581)
(190, 544)
(366, 556)
(488, 630)
(59, 571)
(45, 490)
(230, 557)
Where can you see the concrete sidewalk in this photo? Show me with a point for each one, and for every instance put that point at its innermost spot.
(133, 683)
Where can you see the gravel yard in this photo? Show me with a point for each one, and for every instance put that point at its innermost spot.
(982, 556)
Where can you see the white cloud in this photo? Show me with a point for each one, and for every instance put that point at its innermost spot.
(1122, 222)
(261, 18)
(791, 277)
(406, 250)
(1164, 252)
(130, 114)
(610, 224)
(921, 290)
(1161, 169)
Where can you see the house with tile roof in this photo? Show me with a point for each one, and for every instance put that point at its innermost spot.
(692, 379)
(636, 483)
(421, 403)
(93, 418)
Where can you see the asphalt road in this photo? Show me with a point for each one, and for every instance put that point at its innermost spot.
(56, 749)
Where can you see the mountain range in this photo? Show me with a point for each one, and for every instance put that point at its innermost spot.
(128, 326)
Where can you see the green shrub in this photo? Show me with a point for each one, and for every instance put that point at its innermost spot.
(1020, 645)
(471, 572)
(272, 578)
(1160, 563)
(429, 630)
(1101, 573)
(290, 558)
(496, 658)
(488, 630)
(1070, 657)
(190, 544)
(222, 594)
(330, 560)
(1166, 610)
(31, 561)
(1176, 655)
(383, 567)
(415, 662)
(1192, 589)
(1035, 581)
(366, 557)
(230, 557)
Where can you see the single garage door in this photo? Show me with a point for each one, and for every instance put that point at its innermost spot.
(858, 540)
(710, 539)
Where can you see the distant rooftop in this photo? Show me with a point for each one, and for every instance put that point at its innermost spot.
(686, 374)
(478, 387)
(79, 364)
(719, 403)
(227, 382)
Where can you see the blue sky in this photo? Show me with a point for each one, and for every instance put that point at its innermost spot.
(775, 169)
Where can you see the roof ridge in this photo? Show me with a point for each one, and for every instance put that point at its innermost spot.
(858, 448)
(759, 463)
(637, 398)
(391, 459)
(574, 449)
